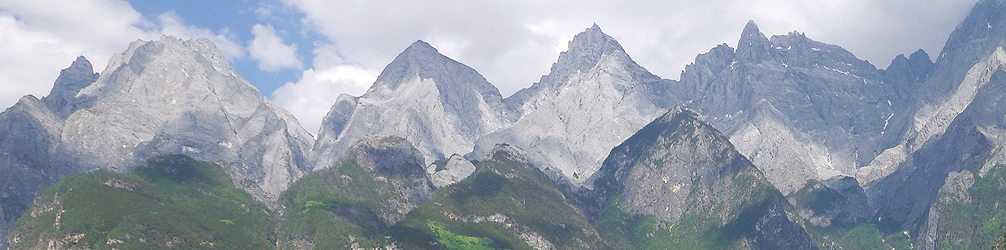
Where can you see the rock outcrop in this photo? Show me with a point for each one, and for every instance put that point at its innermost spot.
(30, 133)
(158, 97)
(681, 179)
(957, 127)
(799, 109)
(437, 104)
(173, 96)
(594, 97)
(376, 184)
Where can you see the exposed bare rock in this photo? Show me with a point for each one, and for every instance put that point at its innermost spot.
(173, 96)
(439, 105)
(680, 167)
(594, 97)
(455, 169)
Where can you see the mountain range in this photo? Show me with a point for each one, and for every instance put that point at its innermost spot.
(783, 142)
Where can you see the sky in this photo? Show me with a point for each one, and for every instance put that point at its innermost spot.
(303, 54)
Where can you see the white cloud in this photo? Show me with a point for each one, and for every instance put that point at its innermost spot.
(513, 43)
(23, 49)
(42, 37)
(270, 51)
(310, 98)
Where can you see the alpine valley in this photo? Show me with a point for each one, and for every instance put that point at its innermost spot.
(778, 142)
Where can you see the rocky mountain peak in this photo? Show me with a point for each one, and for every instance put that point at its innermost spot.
(594, 97)
(174, 96)
(593, 40)
(584, 52)
(679, 166)
(71, 80)
(420, 47)
(439, 105)
(422, 59)
(716, 59)
(753, 45)
(920, 59)
(171, 49)
(979, 34)
(169, 71)
(904, 72)
(586, 49)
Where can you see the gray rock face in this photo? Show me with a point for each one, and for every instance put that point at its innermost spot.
(439, 105)
(838, 201)
(398, 170)
(29, 138)
(953, 192)
(969, 143)
(62, 97)
(336, 119)
(798, 108)
(454, 170)
(948, 88)
(956, 124)
(29, 132)
(181, 97)
(905, 74)
(679, 166)
(159, 97)
(594, 97)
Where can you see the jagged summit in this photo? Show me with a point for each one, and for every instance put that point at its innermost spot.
(751, 30)
(594, 97)
(586, 49)
(174, 96)
(584, 52)
(906, 72)
(821, 98)
(680, 167)
(141, 52)
(420, 46)
(920, 56)
(594, 38)
(753, 45)
(439, 105)
(422, 59)
(71, 80)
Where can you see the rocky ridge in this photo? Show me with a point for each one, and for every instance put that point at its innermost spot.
(29, 137)
(687, 177)
(594, 97)
(439, 105)
(158, 97)
(799, 109)
(957, 128)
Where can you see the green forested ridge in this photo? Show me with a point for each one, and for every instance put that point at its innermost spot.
(176, 202)
(700, 228)
(502, 201)
(861, 234)
(724, 200)
(335, 209)
(171, 201)
(328, 211)
(977, 224)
